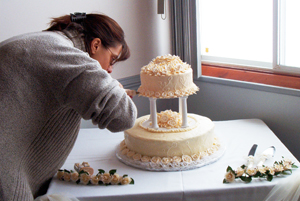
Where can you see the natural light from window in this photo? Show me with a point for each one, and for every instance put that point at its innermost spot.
(289, 33)
(241, 32)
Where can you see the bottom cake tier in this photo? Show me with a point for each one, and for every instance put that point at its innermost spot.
(170, 149)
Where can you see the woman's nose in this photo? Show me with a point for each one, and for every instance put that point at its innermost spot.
(109, 69)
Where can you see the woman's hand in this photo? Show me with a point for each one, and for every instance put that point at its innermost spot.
(130, 92)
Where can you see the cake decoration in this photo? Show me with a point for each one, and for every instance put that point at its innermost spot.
(169, 140)
(167, 77)
(85, 178)
(246, 174)
(169, 119)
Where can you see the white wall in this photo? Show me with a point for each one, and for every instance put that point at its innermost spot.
(146, 33)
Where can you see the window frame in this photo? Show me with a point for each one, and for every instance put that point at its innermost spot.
(279, 75)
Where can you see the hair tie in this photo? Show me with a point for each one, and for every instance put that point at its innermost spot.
(78, 17)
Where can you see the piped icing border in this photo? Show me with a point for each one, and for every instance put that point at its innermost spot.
(168, 94)
(176, 163)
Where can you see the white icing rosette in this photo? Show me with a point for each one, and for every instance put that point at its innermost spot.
(146, 159)
(137, 157)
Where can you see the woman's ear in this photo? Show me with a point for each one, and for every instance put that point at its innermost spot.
(95, 45)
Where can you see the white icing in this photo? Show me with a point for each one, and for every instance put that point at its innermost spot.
(189, 141)
(167, 77)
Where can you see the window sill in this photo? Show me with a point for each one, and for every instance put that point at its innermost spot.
(268, 78)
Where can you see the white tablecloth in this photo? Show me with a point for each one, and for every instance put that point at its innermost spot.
(98, 147)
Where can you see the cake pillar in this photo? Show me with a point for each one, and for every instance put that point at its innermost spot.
(183, 111)
(153, 114)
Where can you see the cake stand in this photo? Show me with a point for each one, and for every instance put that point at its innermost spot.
(173, 165)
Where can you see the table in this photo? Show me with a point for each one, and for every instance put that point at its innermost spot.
(98, 147)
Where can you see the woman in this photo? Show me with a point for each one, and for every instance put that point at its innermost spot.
(48, 81)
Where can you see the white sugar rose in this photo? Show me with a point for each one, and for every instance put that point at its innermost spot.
(60, 175)
(176, 159)
(172, 123)
(229, 176)
(157, 94)
(74, 176)
(130, 154)
(195, 157)
(170, 94)
(278, 168)
(271, 170)
(155, 159)
(95, 179)
(251, 171)
(137, 157)
(164, 118)
(125, 151)
(203, 154)
(106, 178)
(123, 145)
(126, 180)
(209, 151)
(287, 165)
(115, 179)
(166, 160)
(145, 159)
(84, 178)
(67, 176)
(288, 161)
(239, 171)
(262, 170)
(177, 93)
(186, 158)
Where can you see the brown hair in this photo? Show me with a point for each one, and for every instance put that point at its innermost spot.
(96, 26)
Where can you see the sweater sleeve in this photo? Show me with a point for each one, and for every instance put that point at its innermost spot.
(79, 82)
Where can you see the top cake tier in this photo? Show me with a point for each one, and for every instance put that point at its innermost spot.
(167, 77)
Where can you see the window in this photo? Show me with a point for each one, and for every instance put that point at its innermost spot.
(252, 34)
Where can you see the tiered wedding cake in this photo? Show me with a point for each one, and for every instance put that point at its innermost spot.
(168, 140)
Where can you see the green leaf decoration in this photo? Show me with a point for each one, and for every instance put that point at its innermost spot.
(287, 172)
(269, 177)
(246, 179)
(258, 174)
(267, 174)
(229, 169)
(112, 172)
(101, 171)
(83, 172)
(132, 181)
(277, 173)
(65, 170)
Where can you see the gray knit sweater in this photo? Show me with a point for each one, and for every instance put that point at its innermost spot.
(47, 84)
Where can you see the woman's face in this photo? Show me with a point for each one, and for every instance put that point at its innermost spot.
(105, 56)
